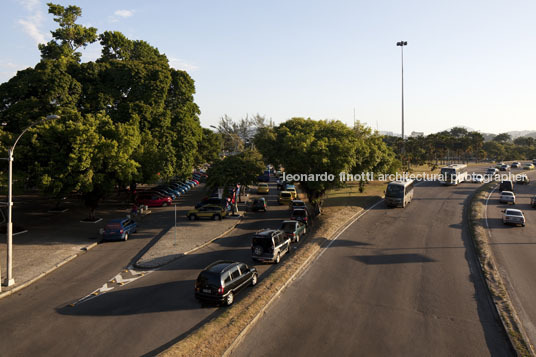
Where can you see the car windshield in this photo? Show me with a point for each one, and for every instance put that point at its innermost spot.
(395, 191)
(298, 213)
(288, 227)
(209, 278)
(513, 213)
(285, 195)
(448, 171)
(265, 242)
(113, 227)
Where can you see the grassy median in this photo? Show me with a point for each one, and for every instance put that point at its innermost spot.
(491, 274)
(217, 335)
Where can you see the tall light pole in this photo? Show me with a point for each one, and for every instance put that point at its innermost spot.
(9, 274)
(402, 44)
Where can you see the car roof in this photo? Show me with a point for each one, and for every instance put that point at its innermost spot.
(297, 201)
(297, 209)
(509, 210)
(290, 221)
(220, 266)
(507, 192)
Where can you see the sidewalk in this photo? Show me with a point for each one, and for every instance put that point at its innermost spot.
(54, 239)
(189, 236)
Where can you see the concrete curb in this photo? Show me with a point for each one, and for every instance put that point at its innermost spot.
(42, 275)
(301, 270)
(180, 255)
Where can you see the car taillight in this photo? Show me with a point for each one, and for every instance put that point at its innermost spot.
(291, 234)
(305, 218)
(121, 231)
(221, 290)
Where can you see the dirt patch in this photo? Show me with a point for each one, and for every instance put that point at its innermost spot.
(217, 335)
(491, 274)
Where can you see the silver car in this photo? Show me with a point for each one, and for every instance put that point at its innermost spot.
(507, 197)
(513, 216)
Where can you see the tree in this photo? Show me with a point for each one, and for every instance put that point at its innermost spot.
(502, 138)
(136, 114)
(209, 147)
(243, 169)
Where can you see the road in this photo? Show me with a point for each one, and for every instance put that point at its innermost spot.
(401, 282)
(136, 319)
(514, 249)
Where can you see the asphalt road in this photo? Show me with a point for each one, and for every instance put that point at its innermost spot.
(136, 319)
(514, 249)
(397, 282)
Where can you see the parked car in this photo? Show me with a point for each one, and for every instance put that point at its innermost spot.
(533, 202)
(214, 212)
(507, 197)
(528, 166)
(506, 185)
(297, 204)
(285, 198)
(522, 179)
(491, 171)
(269, 245)
(292, 189)
(222, 280)
(212, 201)
(263, 188)
(513, 216)
(118, 229)
(153, 199)
(293, 230)
(259, 204)
(166, 191)
(516, 165)
(300, 214)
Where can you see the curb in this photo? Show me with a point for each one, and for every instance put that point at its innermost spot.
(43, 274)
(180, 255)
(301, 270)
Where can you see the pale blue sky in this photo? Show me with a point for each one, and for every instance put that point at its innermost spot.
(469, 62)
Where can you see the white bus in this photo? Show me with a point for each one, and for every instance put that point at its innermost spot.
(453, 174)
(399, 193)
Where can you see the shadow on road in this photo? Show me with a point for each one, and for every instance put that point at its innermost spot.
(393, 259)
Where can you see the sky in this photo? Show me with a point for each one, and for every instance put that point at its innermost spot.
(467, 63)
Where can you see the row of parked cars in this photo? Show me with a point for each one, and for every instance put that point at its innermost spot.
(220, 281)
(513, 216)
(159, 196)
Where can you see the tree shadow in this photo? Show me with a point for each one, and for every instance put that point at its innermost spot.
(392, 259)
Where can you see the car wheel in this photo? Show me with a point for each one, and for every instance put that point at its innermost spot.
(254, 280)
(125, 237)
(229, 299)
(192, 217)
(277, 258)
(216, 217)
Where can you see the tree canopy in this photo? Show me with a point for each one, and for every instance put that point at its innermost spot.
(127, 117)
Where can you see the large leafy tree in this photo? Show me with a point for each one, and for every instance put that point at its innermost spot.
(127, 117)
(243, 168)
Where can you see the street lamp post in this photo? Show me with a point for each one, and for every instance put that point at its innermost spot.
(402, 44)
(9, 274)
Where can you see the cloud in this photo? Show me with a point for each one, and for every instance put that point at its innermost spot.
(178, 63)
(31, 24)
(124, 13)
(121, 14)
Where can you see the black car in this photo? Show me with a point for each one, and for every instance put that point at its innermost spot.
(300, 214)
(269, 245)
(259, 204)
(221, 280)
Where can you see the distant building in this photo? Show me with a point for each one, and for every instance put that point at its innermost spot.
(415, 134)
(388, 133)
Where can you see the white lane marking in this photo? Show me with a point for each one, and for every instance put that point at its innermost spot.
(114, 282)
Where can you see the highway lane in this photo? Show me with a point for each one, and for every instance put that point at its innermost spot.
(131, 320)
(514, 249)
(398, 282)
